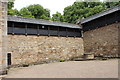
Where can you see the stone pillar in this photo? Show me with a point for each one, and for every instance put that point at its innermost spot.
(3, 36)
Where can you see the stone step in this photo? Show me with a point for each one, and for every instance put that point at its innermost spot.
(78, 59)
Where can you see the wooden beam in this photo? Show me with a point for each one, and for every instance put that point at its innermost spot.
(48, 31)
(74, 32)
(13, 28)
(26, 29)
(66, 32)
(38, 30)
(58, 32)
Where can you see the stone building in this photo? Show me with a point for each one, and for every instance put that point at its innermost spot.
(33, 41)
(3, 36)
(101, 33)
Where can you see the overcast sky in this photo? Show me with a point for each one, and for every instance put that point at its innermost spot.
(52, 5)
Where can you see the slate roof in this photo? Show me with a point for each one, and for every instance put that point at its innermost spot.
(106, 12)
(42, 22)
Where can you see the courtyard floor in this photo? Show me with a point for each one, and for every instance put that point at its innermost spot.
(72, 69)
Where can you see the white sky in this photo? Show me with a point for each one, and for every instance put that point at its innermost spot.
(52, 5)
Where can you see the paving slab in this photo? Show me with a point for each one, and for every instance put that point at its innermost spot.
(72, 69)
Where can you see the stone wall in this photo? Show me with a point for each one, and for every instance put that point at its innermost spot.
(32, 48)
(3, 36)
(102, 41)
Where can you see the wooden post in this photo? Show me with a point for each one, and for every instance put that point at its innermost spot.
(74, 32)
(38, 30)
(48, 31)
(66, 32)
(58, 32)
(13, 28)
(26, 29)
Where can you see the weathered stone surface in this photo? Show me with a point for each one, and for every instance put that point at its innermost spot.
(29, 49)
(102, 41)
(88, 56)
(3, 36)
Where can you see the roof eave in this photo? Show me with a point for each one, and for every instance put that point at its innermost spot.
(42, 22)
(111, 10)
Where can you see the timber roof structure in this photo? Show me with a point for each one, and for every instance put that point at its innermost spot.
(42, 22)
(98, 15)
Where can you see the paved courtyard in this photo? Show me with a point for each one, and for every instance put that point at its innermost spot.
(72, 69)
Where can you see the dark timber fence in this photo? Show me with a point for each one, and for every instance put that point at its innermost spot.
(102, 21)
(46, 30)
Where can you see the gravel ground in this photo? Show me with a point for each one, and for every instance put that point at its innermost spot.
(72, 69)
